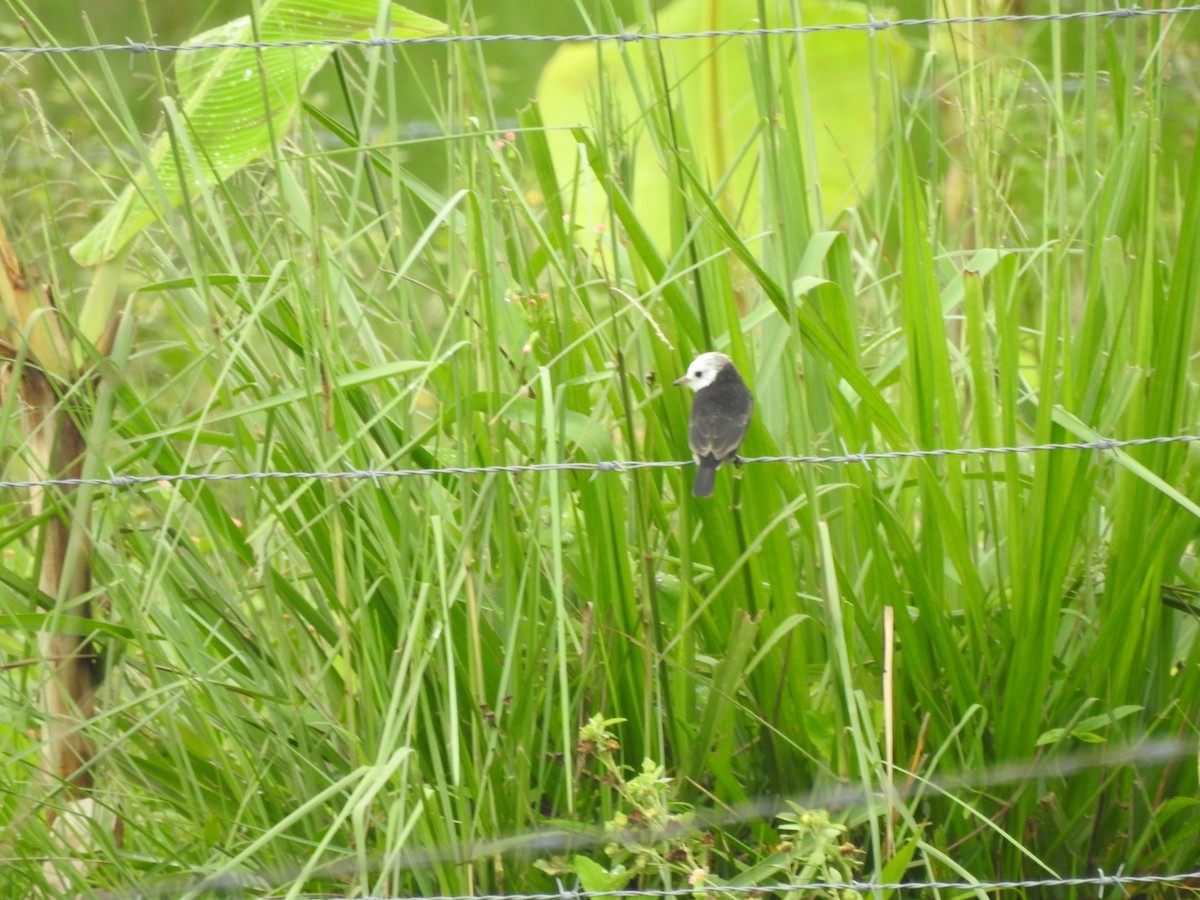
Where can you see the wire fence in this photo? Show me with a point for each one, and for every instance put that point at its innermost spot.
(871, 26)
(1186, 879)
(132, 481)
(859, 887)
(568, 843)
(709, 890)
(551, 842)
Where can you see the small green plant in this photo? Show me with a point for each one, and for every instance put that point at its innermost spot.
(818, 848)
(651, 835)
(654, 838)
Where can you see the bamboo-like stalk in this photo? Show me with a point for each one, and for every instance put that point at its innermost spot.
(57, 445)
(71, 667)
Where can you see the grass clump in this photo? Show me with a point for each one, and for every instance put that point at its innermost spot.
(377, 685)
(651, 840)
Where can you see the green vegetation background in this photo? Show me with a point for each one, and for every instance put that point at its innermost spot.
(347, 687)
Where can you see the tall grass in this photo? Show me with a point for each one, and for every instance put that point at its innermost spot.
(352, 687)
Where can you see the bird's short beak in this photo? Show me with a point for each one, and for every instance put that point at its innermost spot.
(683, 381)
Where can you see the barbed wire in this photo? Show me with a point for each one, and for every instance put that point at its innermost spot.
(872, 26)
(860, 887)
(587, 840)
(711, 889)
(353, 474)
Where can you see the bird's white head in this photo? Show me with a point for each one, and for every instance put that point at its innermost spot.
(703, 370)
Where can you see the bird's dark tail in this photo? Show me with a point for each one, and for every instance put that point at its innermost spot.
(704, 481)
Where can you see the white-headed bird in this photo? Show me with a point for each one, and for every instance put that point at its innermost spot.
(720, 415)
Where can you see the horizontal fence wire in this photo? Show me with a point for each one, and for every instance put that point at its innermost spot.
(164, 479)
(871, 26)
(858, 887)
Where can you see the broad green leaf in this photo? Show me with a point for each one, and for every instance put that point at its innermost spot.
(594, 877)
(235, 100)
(714, 84)
(896, 867)
(1085, 729)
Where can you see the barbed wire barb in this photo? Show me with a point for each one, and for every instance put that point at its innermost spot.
(352, 473)
(872, 26)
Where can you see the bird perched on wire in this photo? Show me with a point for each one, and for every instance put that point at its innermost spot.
(720, 415)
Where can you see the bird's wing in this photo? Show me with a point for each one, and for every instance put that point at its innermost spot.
(717, 434)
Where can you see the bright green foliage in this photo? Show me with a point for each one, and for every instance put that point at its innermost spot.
(653, 838)
(232, 106)
(713, 85)
(376, 686)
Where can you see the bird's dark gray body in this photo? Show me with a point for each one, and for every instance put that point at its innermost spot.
(721, 413)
